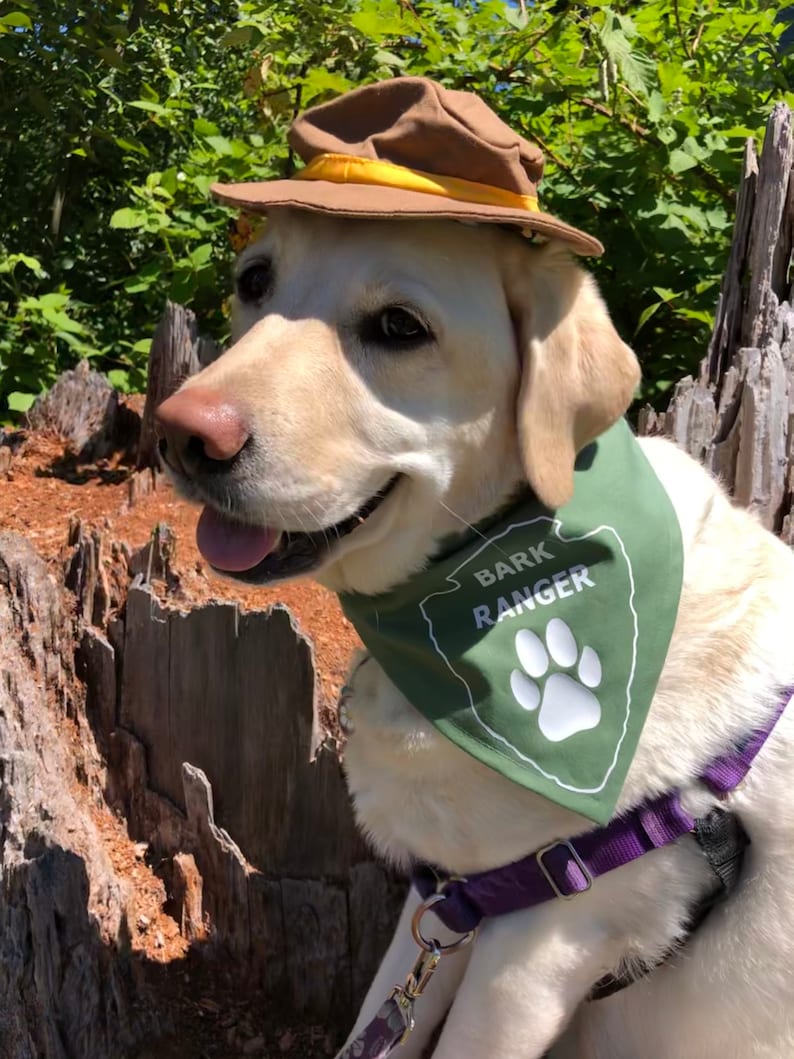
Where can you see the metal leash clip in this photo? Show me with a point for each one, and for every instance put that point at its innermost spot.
(430, 953)
(407, 994)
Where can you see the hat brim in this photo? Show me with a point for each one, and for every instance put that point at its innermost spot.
(363, 200)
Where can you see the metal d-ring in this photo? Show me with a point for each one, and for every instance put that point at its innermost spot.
(433, 945)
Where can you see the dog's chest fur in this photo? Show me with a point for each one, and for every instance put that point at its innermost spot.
(418, 796)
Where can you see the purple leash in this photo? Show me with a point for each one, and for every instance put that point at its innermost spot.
(561, 869)
(395, 1019)
(385, 1033)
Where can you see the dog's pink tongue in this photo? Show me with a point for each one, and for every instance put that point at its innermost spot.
(229, 545)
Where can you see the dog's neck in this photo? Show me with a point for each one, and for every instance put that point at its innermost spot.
(535, 642)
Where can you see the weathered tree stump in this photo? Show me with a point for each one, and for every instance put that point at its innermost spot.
(199, 726)
(737, 416)
(11, 442)
(266, 818)
(66, 987)
(85, 410)
(178, 350)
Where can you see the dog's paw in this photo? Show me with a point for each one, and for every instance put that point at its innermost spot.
(567, 703)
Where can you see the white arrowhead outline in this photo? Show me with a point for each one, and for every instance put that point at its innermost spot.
(451, 578)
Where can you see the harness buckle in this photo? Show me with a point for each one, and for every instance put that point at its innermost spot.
(588, 878)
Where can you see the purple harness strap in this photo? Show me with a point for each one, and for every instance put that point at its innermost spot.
(569, 866)
(561, 869)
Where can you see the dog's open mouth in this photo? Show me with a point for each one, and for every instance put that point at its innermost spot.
(259, 554)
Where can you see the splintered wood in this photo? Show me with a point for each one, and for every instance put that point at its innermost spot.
(737, 416)
(177, 352)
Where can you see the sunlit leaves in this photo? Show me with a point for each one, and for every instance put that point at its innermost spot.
(119, 125)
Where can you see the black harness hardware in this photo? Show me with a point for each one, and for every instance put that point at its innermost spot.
(723, 841)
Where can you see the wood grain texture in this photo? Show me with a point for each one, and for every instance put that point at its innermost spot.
(737, 415)
(84, 410)
(177, 351)
(65, 988)
(234, 694)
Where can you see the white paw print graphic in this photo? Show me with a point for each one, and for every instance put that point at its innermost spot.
(567, 703)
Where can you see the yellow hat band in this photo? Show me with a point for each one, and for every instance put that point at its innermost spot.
(347, 169)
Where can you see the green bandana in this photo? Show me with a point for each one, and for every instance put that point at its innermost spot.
(537, 644)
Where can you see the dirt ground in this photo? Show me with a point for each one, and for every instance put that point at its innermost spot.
(204, 1012)
(44, 490)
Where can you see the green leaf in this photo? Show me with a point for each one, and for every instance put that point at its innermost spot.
(238, 35)
(201, 255)
(680, 161)
(656, 106)
(202, 184)
(219, 144)
(119, 379)
(74, 342)
(515, 16)
(635, 69)
(17, 19)
(739, 131)
(144, 278)
(701, 315)
(202, 127)
(646, 314)
(153, 108)
(9, 263)
(390, 59)
(131, 145)
(20, 402)
(376, 21)
(63, 323)
(320, 81)
(665, 294)
(128, 218)
(111, 57)
(50, 300)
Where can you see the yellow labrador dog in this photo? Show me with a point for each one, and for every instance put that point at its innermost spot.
(393, 382)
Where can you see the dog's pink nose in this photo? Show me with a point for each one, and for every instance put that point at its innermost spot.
(199, 423)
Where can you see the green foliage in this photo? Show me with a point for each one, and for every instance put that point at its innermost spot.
(117, 115)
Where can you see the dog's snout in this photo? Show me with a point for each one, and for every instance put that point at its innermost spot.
(199, 423)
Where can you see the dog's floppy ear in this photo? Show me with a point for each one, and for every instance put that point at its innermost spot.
(577, 376)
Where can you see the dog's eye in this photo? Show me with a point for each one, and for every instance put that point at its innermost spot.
(398, 326)
(255, 281)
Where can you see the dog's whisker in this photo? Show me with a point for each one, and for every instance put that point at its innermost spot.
(326, 528)
(321, 529)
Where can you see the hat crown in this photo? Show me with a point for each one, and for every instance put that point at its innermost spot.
(417, 123)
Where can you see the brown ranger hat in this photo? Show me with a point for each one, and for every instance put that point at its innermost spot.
(410, 148)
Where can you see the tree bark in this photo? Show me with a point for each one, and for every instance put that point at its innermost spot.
(66, 987)
(737, 415)
(177, 352)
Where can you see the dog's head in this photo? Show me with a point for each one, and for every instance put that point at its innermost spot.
(391, 382)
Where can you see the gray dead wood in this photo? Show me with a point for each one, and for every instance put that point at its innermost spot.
(224, 704)
(736, 416)
(177, 351)
(234, 693)
(84, 410)
(11, 443)
(268, 871)
(65, 985)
